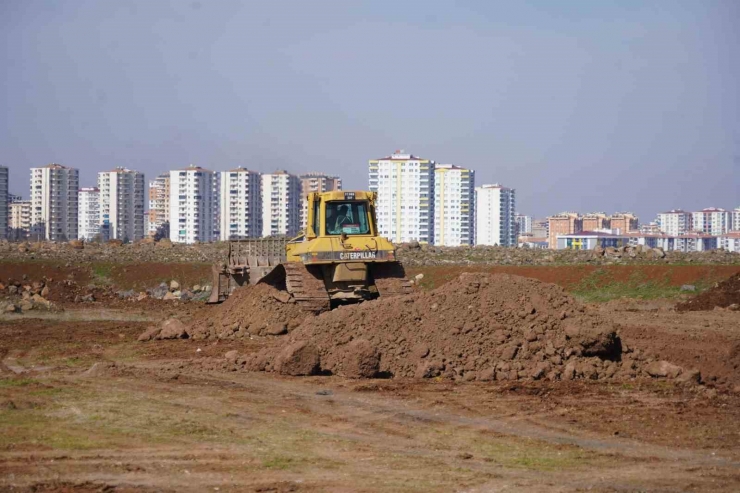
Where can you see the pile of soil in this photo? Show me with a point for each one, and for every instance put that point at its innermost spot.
(723, 295)
(250, 310)
(477, 327)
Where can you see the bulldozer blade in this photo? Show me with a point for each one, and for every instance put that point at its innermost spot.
(220, 285)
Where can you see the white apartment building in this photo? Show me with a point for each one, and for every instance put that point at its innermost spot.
(19, 220)
(712, 221)
(54, 202)
(454, 205)
(240, 204)
(523, 224)
(281, 204)
(4, 200)
(315, 182)
(121, 204)
(494, 208)
(191, 205)
(159, 205)
(736, 219)
(88, 210)
(674, 222)
(405, 205)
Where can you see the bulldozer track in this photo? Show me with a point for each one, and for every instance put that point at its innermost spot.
(390, 279)
(307, 289)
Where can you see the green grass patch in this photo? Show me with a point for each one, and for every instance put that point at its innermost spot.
(16, 382)
(600, 286)
(102, 273)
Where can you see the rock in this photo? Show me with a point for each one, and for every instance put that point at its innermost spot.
(173, 329)
(98, 369)
(164, 243)
(40, 301)
(282, 296)
(12, 289)
(142, 297)
(77, 244)
(232, 356)
(429, 369)
(690, 377)
(300, 358)
(663, 369)
(418, 277)
(277, 329)
(360, 359)
(174, 285)
(169, 296)
(149, 334)
(487, 375)
(196, 288)
(115, 242)
(45, 292)
(10, 308)
(688, 287)
(509, 353)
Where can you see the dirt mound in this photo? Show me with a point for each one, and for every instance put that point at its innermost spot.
(250, 310)
(477, 327)
(722, 295)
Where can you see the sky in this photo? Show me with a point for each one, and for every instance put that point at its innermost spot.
(579, 105)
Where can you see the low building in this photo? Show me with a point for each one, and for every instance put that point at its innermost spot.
(590, 240)
(730, 241)
(531, 241)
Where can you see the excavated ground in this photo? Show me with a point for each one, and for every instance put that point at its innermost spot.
(84, 406)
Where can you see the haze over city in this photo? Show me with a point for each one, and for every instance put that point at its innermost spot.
(578, 105)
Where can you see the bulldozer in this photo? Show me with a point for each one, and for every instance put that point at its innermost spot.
(338, 258)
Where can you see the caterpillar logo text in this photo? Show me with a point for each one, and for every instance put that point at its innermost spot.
(356, 255)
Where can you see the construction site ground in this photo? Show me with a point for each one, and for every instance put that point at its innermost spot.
(84, 406)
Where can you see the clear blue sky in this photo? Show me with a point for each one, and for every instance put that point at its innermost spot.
(579, 105)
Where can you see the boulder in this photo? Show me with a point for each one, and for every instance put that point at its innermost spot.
(429, 369)
(173, 329)
(277, 329)
(360, 359)
(663, 369)
(300, 358)
(232, 356)
(174, 285)
(77, 244)
(149, 334)
(164, 243)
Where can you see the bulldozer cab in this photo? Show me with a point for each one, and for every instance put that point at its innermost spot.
(340, 213)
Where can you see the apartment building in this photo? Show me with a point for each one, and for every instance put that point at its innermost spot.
(594, 221)
(121, 204)
(736, 219)
(54, 202)
(565, 223)
(4, 201)
(281, 204)
(315, 182)
(159, 206)
(405, 205)
(240, 204)
(622, 222)
(19, 220)
(494, 209)
(191, 205)
(541, 228)
(523, 224)
(454, 205)
(675, 222)
(88, 210)
(711, 221)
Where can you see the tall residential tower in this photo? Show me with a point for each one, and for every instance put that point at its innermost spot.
(454, 205)
(405, 205)
(192, 208)
(281, 204)
(495, 223)
(54, 202)
(121, 204)
(241, 204)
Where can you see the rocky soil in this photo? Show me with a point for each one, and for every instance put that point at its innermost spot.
(411, 254)
(725, 294)
(477, 327)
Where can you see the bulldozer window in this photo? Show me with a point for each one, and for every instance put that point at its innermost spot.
(347, 217)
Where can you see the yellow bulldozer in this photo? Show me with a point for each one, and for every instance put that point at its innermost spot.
(339, 257)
